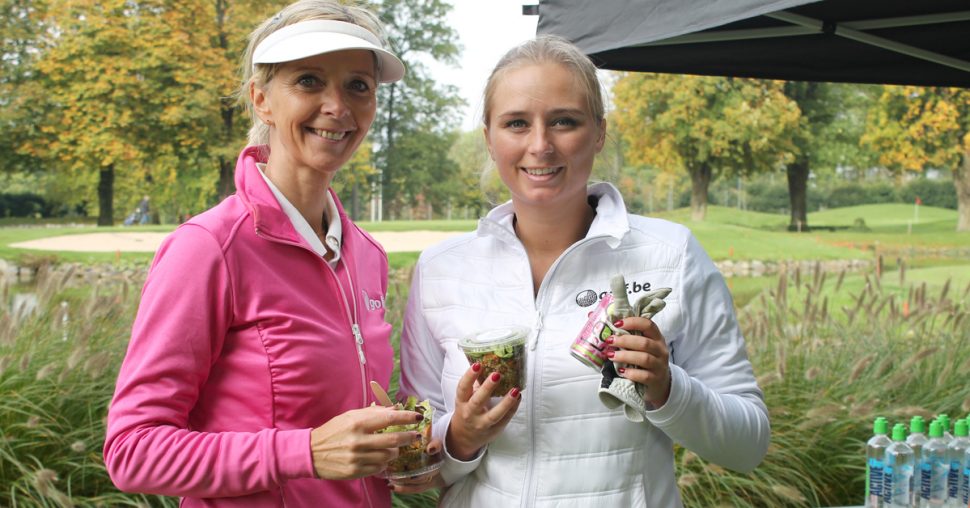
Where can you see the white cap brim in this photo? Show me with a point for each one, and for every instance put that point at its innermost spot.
(316, 37)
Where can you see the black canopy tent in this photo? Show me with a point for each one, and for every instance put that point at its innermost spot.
(903, 42)
(915, 42)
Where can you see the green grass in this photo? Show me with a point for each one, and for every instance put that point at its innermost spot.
(727, 233)
(883, 215)
(727, 241)
(728, 215)
(420, 225)
(10, 235)
(892, 230)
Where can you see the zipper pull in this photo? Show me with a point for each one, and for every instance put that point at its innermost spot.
(359, 339)
(537, 328)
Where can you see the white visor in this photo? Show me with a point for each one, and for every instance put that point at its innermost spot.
(319, 36)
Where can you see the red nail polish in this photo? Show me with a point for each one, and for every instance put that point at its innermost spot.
(610, 353)
(618, 323)
(514, 393)
(418, 417)
(495, 377)
(621, 370)
(609, 340)
(476, 367)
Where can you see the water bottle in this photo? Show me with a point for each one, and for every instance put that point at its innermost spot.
(898, 471)
(955, 452)
(933, 469)
(966, 476)
(945, 422)
(875, 454)
(916, 439)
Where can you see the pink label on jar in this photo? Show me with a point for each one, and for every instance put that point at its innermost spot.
(589, 346)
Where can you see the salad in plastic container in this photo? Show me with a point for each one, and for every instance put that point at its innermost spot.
(500, 350)
(414, 459)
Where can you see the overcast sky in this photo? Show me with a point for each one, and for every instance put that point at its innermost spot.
(486, 29)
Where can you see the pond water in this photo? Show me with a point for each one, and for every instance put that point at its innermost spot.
(19, 289)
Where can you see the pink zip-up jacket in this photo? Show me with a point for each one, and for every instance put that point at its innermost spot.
(244, 341)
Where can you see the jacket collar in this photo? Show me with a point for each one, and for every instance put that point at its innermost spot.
(611, 221)
(268, 216)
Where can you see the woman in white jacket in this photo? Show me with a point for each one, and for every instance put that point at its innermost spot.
(540, 261)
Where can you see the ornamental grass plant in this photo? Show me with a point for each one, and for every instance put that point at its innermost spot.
(828, 370)
(831, 352)
(57, 372)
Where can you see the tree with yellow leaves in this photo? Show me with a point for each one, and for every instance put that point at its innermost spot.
(127, 91)
(915, 128)
(706, 126)
(138, 100)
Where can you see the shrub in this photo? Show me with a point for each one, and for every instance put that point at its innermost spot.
(852, 194)
(828, 358)
(939, 193)
(57, 378)
(829, 362)
(768, 197)
(23, 205)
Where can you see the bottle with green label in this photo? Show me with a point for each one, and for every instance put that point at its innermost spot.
(916, 440)
(945, 422)
(933, 469)
(955, 452)
(875, 454)
(898, 471)
(965, 484)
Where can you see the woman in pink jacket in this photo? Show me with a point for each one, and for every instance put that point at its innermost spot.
(261, 324)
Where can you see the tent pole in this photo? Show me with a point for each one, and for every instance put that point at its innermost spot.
(873, 40)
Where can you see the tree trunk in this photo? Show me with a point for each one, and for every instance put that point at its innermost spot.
(961, 181)
(797, 193)
(106, 185)
(227, 182)
(227, 168)
(354, 202)
(700, 180)
(386, 172)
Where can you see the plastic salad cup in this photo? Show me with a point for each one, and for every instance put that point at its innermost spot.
(413, 459)
(500, 350)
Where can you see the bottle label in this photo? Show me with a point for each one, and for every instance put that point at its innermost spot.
(887, 484)
(925, 480)
(953, 482)
(902, 481)
(965, 489)
(875, 478)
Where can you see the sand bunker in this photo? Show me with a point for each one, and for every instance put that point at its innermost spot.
(393, 241)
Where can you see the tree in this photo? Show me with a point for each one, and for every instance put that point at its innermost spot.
(415, 107)
(231, 23)
(915, 128)
(21, 23)
(704, 125)
(353, 177)
(470, 155)
(138, 84)
(827, 135)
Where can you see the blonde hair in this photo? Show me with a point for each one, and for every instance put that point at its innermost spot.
(543, 49)
(302, 10)
(548, 49)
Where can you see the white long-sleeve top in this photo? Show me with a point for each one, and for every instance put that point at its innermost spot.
(563, 447)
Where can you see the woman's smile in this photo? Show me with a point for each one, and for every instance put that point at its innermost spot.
(542, 136)
(320, 109)
(329, 134)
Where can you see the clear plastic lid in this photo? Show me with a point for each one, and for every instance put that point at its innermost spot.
(498, 340)
(434, 464)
